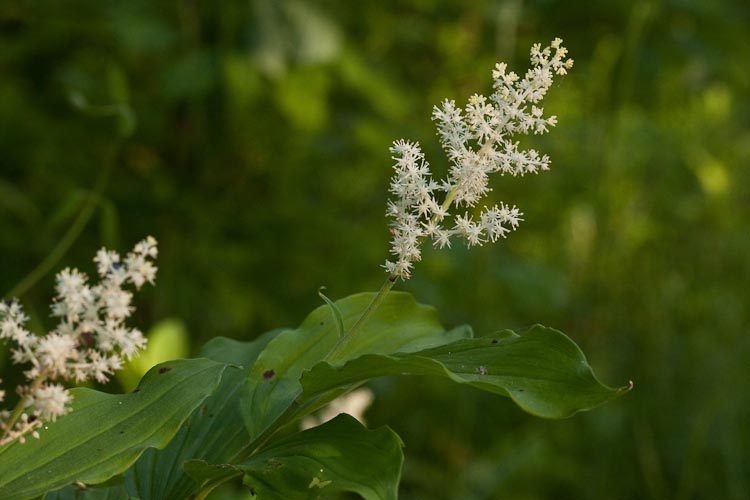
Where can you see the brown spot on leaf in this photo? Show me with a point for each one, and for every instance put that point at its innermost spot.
(268, 374)
(164, 369)
(494, 341)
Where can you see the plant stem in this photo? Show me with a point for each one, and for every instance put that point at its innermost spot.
(74, 231)
(343, 341)
(18, 409)
(449, 199)
(346, 339)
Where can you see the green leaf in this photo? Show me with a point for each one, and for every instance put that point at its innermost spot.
(334, 311)
(338, 456)
(74, 492)
(399, 325)
(237, 352)
(106, 433)
(215, 431)
(543, 371)
(168, 339)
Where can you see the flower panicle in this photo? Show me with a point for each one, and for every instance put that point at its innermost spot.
(90, 342)
(478, 141)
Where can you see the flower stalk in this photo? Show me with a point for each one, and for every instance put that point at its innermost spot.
(374, 304)
(478, 142)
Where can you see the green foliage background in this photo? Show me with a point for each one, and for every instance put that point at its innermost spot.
(251, 139)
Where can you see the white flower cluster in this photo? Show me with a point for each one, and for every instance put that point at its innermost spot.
(478, 141)
(91, 340)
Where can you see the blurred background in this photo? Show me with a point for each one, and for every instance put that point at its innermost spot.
(251, 139)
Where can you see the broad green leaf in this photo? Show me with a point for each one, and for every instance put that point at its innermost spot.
(399, 325)
(106, 433)
(237, 352)
(215, 431)
(340, 455)
(74, 492)
(543, 371)
(168, 339)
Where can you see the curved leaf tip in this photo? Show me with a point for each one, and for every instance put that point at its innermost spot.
(626, 388)
(542, 371)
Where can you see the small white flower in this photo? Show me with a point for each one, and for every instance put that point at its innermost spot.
(54, 351)
(132, 344)
(98, 367)
(116, 302)
(140, 270)
(106, 261)
(442, 238)
(147, 247)
(74, 296)
(49, 401)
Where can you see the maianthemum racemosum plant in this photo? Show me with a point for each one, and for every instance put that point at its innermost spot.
(246, 410)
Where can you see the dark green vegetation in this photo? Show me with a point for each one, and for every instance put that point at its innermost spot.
(252, 142)
(249, 426)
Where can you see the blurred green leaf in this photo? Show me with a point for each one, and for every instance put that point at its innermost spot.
(303, 97)
(119, 91)
(318, 38)
(190, 76)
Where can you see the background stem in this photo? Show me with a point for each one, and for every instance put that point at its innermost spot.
(18, 409)
(72, 234)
